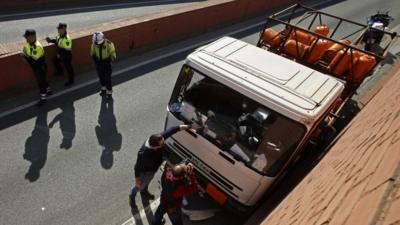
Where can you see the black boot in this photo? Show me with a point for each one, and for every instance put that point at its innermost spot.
(147, 194)
(41, 102)
(102, 93)
(49, 91)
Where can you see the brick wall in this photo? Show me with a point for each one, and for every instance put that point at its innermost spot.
(358, 181)
(148, 31)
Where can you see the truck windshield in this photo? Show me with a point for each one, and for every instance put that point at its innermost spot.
(252, 133)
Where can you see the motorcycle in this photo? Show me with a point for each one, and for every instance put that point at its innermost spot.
(376, 25)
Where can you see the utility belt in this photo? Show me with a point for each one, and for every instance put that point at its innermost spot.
(103, 61)
(64, 53)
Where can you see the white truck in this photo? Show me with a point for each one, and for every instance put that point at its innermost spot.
(258, 109)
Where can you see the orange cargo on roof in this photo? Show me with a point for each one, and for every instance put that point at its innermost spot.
(322, 30)
(295, 50)
(363, 65)
(318, 49)
(271, 38)
(341, 63)
(334, 49)
(302, 37)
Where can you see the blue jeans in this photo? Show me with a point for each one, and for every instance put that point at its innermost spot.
(146, 178)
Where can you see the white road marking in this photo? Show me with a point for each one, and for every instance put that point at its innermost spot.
(141, 216)
(152, 60)
(86, 7)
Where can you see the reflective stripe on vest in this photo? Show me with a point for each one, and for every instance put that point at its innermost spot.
(34, 51)
(64, 42)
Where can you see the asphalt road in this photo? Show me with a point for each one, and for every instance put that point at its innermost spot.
(12, 25)
(71, 162)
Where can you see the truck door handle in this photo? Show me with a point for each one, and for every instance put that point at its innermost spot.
(191, 133)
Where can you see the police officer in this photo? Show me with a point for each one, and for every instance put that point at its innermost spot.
(64, 54)
(103, 54)
(33, 53)
(176, 183)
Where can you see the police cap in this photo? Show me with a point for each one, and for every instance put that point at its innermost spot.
(62, 25)
(29, 32)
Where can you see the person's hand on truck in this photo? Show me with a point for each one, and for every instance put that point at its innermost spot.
(189, 169)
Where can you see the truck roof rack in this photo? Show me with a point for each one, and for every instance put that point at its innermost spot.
(309, 18)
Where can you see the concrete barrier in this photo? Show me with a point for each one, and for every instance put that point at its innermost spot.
(17, 5)
(144, 32)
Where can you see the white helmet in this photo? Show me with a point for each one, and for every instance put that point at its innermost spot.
(98, 38)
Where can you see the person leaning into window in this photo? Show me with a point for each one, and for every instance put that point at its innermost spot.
(149, 159)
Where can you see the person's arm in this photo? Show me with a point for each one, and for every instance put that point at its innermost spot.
(139, 166)
(51, 40)
(24, 55)
(68, 44)
(139, 169)
(141, 162)
(187, 190)
(172, 130)
(93, 55)
(29, 60)
(112, 52)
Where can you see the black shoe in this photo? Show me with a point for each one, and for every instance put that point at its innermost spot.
(148, 195)
(69, 83)
(102, 93)
(41, 102)
(49, 92)
(162, 222)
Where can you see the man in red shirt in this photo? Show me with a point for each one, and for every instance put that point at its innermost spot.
(176, 182)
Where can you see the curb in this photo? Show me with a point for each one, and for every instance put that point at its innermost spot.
(378, 87)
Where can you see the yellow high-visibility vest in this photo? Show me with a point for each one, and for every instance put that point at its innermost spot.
(64, 42)
(34, 51)
(107, 50)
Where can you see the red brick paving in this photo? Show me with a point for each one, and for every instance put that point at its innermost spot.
(358, 181)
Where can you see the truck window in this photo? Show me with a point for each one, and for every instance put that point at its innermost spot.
(253, 134)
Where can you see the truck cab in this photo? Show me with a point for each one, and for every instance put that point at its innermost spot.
(257, 111)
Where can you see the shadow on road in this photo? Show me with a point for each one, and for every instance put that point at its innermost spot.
(107, 133)
(36, 147)
(146, 205)
(25, 114)
(67, 124)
